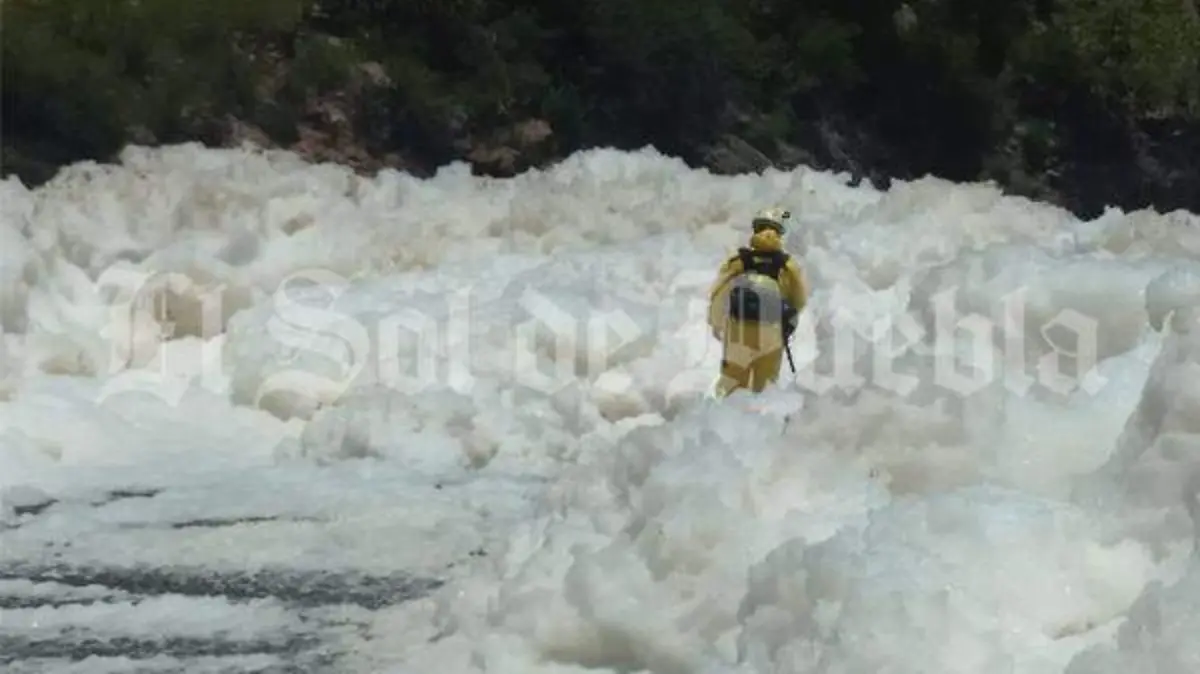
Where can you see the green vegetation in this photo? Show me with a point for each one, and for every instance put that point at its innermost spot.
(1077, 100)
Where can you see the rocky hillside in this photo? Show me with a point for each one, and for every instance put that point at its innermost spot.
(1082, 102)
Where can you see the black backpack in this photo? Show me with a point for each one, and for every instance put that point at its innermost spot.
(748, 302)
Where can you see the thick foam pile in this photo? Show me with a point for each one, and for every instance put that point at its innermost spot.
(463, 424)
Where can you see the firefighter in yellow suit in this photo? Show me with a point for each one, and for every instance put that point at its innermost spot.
(754, 304)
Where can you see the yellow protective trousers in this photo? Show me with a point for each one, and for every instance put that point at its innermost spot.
(752, 356)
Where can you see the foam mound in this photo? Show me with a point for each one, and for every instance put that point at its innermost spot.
(478, 410)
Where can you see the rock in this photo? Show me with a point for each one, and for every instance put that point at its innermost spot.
(240, 132)
(494, 160)
(333, 129)
(732, 155)
(374, 74)
(140, 135)
(790, 156)
(513, 149)
(905, 19)
(531, 133)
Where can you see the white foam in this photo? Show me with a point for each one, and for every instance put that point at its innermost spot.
(986, 462)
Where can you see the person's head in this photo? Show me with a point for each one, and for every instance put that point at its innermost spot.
(769, 226)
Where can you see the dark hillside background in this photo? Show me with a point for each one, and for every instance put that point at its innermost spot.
(1079, 102)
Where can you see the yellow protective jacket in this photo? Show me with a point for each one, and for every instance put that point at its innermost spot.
(792, 284)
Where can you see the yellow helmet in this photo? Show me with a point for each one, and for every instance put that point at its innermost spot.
(774, 217)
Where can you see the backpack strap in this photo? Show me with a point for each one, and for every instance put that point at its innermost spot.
(767, 263)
